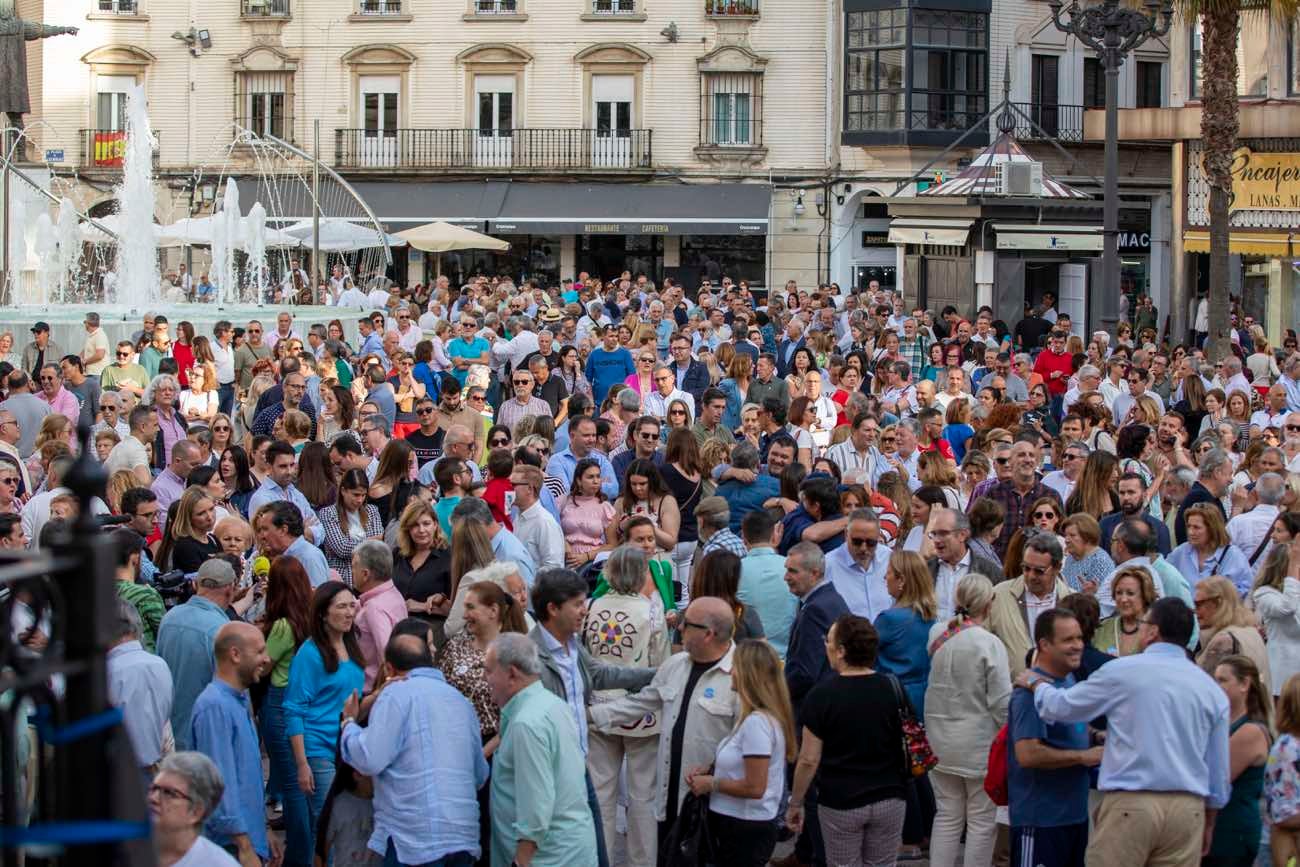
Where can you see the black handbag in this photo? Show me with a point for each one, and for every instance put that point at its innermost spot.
(690, 843)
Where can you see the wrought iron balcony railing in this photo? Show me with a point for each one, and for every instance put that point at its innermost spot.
(560, 149)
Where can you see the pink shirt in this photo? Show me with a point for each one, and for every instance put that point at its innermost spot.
(65, 403)
(381, 608)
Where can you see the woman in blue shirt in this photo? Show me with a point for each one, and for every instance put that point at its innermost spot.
(1208, 550)
(904, 632)
(327, 668)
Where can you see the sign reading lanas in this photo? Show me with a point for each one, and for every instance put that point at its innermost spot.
(1265, 181)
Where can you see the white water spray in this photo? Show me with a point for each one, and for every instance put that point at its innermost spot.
(255, 247)
(137, 248)
(46, 246)
(69, 238)
(228, 221)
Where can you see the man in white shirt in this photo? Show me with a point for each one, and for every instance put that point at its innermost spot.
(1234, 379)
(408, 333)
(130, 453)
(283, 330)
(858, 452)
(1062, 481)
(518, 347)
(950, 532)
(1114, 385)
(592, 322)
(857, 568)
(1274, 414)
(535, 527)
(1089, 378)
(1139, 382)
(1250, 530)
(94, 352)
(223, 353)
(665, 392)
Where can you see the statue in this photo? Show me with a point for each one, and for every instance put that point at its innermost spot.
(14, 32)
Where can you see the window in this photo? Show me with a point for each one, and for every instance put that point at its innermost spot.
(613, 7)
(731, 7)
(949, 69)
(267, 8)
(119, 7)
(1293, 59)
(1044, 92)
(1194, 60)
(875, 83)
(381, 7)
(1094, 83)
(1149, 88)
(740, 257)
(496, 7)
(732, 111)
(265, 103)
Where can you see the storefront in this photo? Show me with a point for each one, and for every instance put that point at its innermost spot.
(1264, 239)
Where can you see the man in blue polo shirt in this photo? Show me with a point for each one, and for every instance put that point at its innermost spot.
(1047, 764)
(608, 365)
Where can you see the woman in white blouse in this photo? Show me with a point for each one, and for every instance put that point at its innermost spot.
(965, 704)
(199, 401)
(748, 776)
(1276, 597)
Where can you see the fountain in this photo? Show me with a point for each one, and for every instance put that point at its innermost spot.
(137, 248)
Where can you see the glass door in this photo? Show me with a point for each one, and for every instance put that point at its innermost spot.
(494, 97)
(379, 119)
(612, 118)
(108, 139)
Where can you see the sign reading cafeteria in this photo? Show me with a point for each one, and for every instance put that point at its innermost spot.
(1265, 181)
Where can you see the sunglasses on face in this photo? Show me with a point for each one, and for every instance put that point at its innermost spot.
(424, 410)
(1044, 516)
(253, 331)
(124, 355)
(523, 382)
(858, 543)
(477, 398)
(497, 443)
(677, 412)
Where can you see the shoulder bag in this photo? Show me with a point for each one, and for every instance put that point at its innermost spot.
(918, 758)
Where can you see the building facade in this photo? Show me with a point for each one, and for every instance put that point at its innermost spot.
(677, 137)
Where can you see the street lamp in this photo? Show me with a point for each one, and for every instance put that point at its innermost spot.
(1112, 31)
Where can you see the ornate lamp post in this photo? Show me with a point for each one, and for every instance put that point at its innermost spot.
(1112, 31)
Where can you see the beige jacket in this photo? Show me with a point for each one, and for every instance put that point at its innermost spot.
(710, 717)
(627, 630)
(966, 699)
(1008, 620)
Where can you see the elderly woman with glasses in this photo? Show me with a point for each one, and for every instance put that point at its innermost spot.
(184, 793)
(642, 380)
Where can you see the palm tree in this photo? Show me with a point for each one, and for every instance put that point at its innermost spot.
(1219, 126)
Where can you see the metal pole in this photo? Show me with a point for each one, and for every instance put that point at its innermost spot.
(5, 289)
(1109, 307)
(315, 213)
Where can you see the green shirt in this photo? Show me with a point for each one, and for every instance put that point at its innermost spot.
(661, 572)
(539, 784)
(281, 647)
(112, 375)
(148, 604)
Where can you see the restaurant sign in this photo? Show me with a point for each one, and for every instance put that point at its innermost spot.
(1265, 181)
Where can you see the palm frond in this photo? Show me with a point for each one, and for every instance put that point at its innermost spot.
(1278, 10)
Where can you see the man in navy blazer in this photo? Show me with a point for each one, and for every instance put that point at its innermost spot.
(820, 604)
(696, 378)
(787, 346)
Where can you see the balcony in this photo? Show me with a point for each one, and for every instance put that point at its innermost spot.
(731, 8)
(607, 8)
(1061, 122)
(264, 8)
(104, 149)
(453, 150)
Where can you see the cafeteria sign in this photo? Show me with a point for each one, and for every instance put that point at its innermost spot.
(1265, 181)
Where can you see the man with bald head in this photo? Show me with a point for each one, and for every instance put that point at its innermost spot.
(691, 694)
(221, 727)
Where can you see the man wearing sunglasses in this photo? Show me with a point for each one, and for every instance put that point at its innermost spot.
(1273, 415)
(857, 568)
(523, 404)
(1018, 602)
(246, 356)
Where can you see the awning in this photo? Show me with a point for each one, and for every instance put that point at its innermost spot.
(634, 209)
(948, 233)
(522, 207)
(1035, 236)
(1256, 243)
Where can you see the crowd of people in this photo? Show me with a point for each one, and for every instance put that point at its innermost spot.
(538, 575)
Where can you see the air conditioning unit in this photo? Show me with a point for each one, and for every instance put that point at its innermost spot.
(1019, 178)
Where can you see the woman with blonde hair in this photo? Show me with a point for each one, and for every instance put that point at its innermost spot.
(1228, 627)
(189, 541)
(1133, 592)
(118, 484)
(198, 402)
(740, 373)
(622, 628)
(905, 628)
(965, 704)
(747, 780)
(934, 469)
(1276, 599)
(297, 429)
(1239, 824)
(422, 567)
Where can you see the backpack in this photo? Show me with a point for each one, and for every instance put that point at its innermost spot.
(995, 779)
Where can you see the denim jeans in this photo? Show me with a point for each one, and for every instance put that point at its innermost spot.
(278, 754)
(602, 855)
(226, 398)
(455, 859)
(301, 811)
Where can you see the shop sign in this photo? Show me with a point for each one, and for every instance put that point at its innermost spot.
(876, 239)
(1265, 181)
(1134, 240)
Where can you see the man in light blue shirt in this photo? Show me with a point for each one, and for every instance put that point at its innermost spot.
(540, 813)
(857, 568)
(422, 748)
(279, 487)
(141, 685)
(372, 342)
(222, 729)
(278, 529)
(505, 544)
(1165, 768)
(582, 444)
(185, 639)
(1291, 382)
(762, 579)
